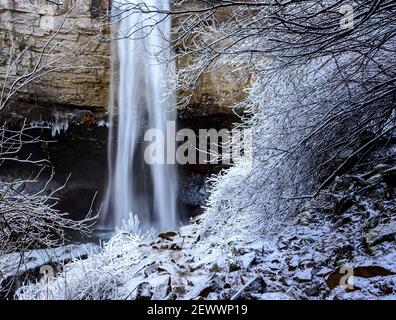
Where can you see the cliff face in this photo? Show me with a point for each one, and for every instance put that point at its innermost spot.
(79, 56)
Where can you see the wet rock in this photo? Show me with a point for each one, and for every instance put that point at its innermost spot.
(85, 86)
(168, 235)
(83, 35)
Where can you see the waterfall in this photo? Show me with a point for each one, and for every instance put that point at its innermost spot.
(137, 104)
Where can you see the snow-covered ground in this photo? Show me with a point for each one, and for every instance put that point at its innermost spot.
(328, 251)
(340, 245)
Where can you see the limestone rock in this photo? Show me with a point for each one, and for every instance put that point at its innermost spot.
(82, 53)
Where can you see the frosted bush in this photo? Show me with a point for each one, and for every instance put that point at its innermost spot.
(302, 123)
(100, 276)
(318, 101)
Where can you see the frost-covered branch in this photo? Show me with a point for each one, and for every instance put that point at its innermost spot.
(323, 91)
(29, 218)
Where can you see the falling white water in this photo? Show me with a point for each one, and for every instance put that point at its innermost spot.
(148, 191)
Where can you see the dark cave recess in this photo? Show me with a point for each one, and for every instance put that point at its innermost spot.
(75, 142)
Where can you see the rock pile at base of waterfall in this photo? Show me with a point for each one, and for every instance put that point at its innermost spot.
(340, 245)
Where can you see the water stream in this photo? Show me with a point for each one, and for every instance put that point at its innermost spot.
(137, 104)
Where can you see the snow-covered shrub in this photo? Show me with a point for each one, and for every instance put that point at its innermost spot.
(28, 215)
(305, 129)
(29, 218)
(100, 276)
(322, 94)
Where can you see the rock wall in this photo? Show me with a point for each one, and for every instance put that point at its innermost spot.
(79, 54)
(217, 92)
